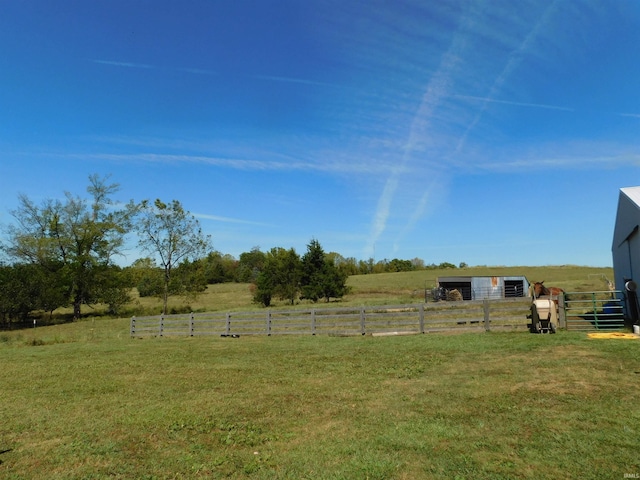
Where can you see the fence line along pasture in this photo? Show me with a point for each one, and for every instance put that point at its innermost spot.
(475, 315)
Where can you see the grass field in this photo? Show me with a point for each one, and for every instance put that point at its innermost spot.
(84, 401)
(378, 289)
(383, 288)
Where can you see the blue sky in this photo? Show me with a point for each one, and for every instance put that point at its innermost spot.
(486, 132)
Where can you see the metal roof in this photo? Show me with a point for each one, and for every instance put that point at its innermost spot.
(455, 278)
(633, 193)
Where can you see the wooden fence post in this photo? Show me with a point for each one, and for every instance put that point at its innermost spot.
(133, 326)
(562, 312)
(313, 321)
(161, 324)
(268, 323)
(422, 318)
(227, 329)
(191, 321)
(485, 307)
(362, 330)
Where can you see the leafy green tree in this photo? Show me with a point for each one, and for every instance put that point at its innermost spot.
(263, 288)
(26, 288)
(288, 275)
(335, 285)
(418, 263)
(189, 279)
(320, 276)
(279, 277)
(115, 288)
(381, 266)
(314, 268)
(397, 265)
(140, 267)
(173, 235)
(19, 291)
(366, 266)
(250, 265)
(151, 285)
(349, 266)
(219, 268)
(75, 239)
(52, 290)
(146, 276)
(445, 265)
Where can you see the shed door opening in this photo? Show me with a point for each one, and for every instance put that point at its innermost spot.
(513, 288)
(463, 287)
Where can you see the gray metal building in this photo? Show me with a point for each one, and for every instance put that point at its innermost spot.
(625, 249)
(478, 288)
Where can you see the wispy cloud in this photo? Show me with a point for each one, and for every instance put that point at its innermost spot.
(437, 89)
(346, 168)
(555, 158)
(427, 202)
(516, 104)
(296, 80)
(632, 115)
(513, 62)
(202, 71)
(117, 63)
(197, 71)
(217, 218)
(382, 214)
(122, 64)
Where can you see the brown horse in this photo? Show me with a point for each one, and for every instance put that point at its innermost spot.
(540, 289)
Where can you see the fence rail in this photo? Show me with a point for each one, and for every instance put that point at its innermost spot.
(475, 315)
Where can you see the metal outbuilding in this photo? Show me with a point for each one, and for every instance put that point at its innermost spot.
(478, 288)
(625, 249)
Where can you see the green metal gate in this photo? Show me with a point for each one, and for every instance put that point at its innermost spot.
(584, 311)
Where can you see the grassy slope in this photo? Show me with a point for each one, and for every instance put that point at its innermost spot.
(390, 288)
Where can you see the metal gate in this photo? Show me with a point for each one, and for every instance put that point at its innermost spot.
(593, 310)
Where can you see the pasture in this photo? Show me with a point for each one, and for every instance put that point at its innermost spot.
(84, 400)
(378, 289)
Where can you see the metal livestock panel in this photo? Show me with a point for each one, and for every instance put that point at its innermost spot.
(594, 311)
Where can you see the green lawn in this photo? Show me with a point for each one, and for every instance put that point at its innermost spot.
(83, 400)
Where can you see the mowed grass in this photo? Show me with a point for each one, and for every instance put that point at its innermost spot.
(84, 401)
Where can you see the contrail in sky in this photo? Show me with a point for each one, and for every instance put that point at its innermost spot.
(632, 115)
(114, 63)
(437, 89)
(515, 59)
(516, 104)
(238, 164)
(229, 220)
(123, 64)
(295, 80)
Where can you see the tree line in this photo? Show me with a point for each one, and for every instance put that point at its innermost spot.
(62, 253)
